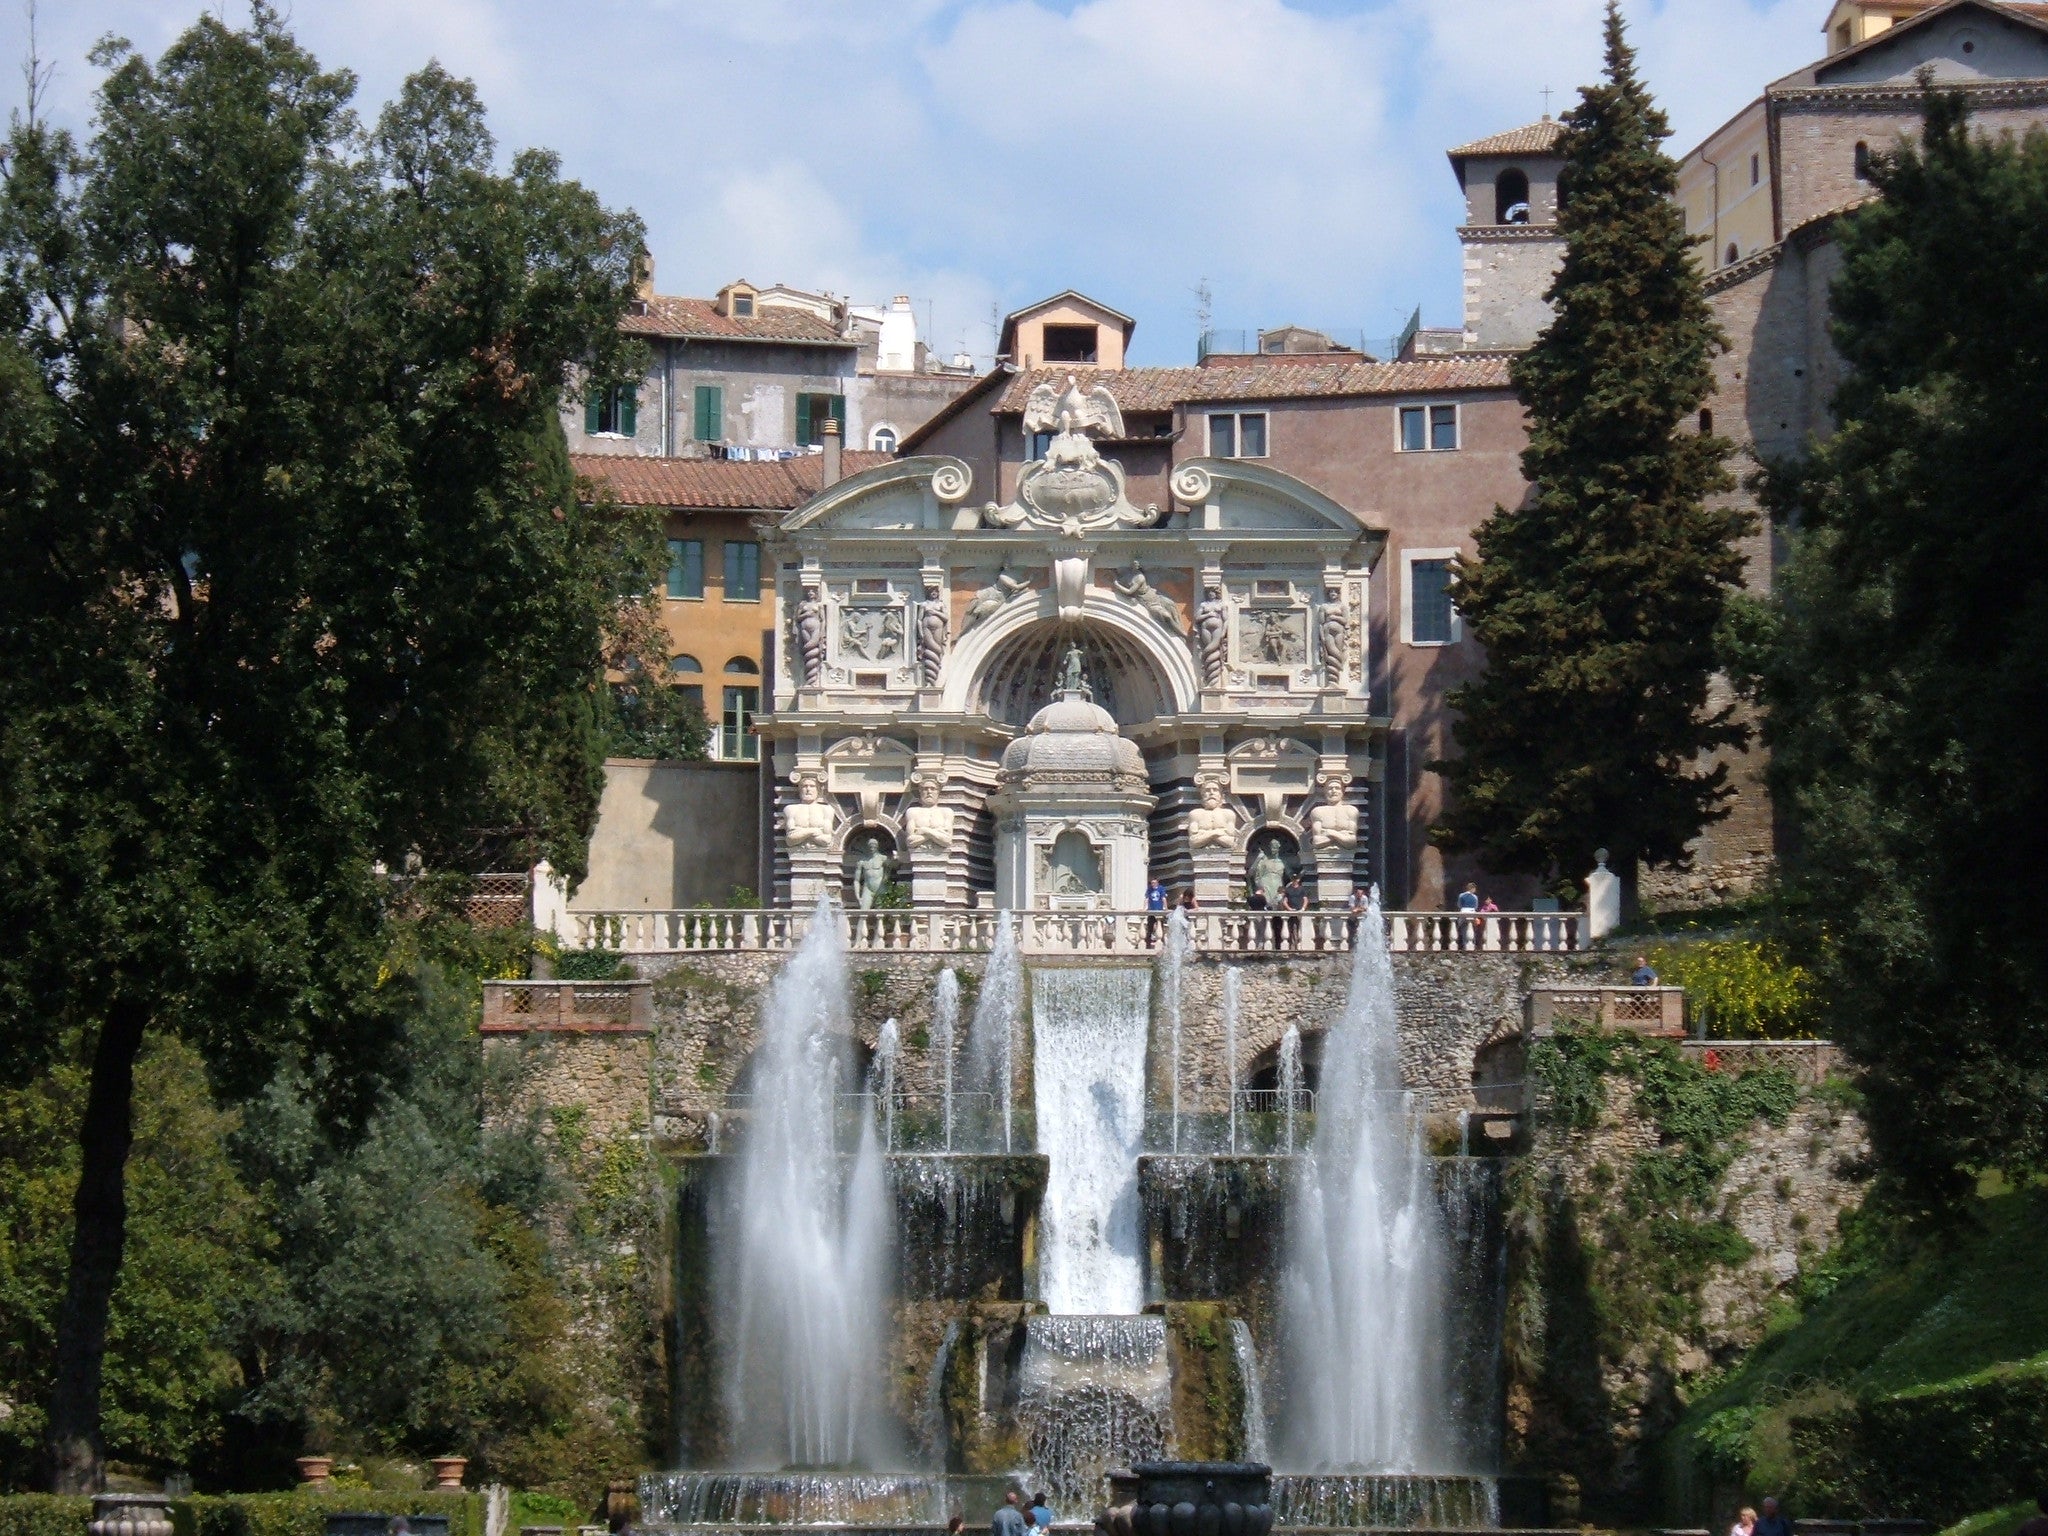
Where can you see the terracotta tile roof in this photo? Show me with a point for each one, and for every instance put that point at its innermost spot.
(699, 319)
(1161, 389)
(1535, 139)
(768, 485)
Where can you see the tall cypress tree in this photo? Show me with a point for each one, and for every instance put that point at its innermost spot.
(1597, 599)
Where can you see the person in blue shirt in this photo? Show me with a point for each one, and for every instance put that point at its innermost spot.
(1155, 912)
(1041, 1512)
(1644, 975)
(1009, 1520)
(1772, 1521)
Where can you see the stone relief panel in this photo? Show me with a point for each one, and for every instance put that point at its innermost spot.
(1272, 637)
(869, 631)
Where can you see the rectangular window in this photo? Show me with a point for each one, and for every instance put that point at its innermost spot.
(710, 419)
(736, 739)
(1756, 169)
(612, 412)
(1429, 428)
(1431, 619)
(1041, 444)
(742, 572)
(1237, 435)
(812, 412)
(1070, 344)
(685, 567)
(693, 693)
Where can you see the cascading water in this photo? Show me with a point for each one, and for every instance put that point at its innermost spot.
(1290, 1079)
(992, 1036)
(1172, 962)
(883, 1086)
(1096, 1393)
(1088, 1027)
(805, 1278)
(945, 1029)
(1363, 1300)
(1231, 981)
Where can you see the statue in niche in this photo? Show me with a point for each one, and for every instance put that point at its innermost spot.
(1073, 679)
(1073, 868)
(991, 598)
(809, 629)
(1333, 825)
(1212, 824)
(870, 871)
(931, 640)
(1269, 869)
(1333, 635)
(1162, 608)
(930, 824)
(1212, 635)
(808, 823)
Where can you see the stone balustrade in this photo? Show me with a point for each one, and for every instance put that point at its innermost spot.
(1643, 1010)
(590, 1007)
(973, 931)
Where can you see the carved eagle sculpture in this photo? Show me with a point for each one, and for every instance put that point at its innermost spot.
(1069, 410)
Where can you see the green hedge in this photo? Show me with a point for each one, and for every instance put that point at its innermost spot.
(1936, 1454)
(44, 1514)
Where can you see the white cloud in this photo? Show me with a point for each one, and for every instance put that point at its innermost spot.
(979, 152)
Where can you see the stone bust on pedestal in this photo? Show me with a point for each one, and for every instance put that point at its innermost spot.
(929, 824)
(1213, 824)
(808, 823)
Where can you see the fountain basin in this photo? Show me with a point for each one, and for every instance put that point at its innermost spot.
(864, 1500)
(1385, 1500)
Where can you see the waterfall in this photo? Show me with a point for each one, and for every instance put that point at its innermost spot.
(1247, 1360)
(805, 1282)
(1231, 981)
(1290, 1078)
(945, 1026)
(1094, 1393)
(1088, 1027)
(1364, 1296)
(887, 1044)
(1172, 961)
(992, 1036)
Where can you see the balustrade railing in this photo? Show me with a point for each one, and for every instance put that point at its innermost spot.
(523, 1007)
(1226, 931)
(1645, 1010)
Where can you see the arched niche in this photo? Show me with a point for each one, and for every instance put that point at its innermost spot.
(1019, 673)
(1511, 197)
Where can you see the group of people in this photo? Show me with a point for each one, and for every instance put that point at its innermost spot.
(1771, 1522)
(1291, 901)
(1014, 1518)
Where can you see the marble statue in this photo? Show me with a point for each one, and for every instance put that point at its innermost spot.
(1212, 635)
(808, 823)
(930, 824)
(1333, 825)
(1212, 824)
(870, 872)
(1333, 633)
(991, 598)
(809, 626)
(1162, 608)
(931, 641)
(1073, 679)
(1269, 870)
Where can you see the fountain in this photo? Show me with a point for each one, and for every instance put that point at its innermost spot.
(1363, 1300)
(945, 1027)
(1290, 1080)
(1171, 963)
(992, 1036)
(805, 1285)
(1233, 982)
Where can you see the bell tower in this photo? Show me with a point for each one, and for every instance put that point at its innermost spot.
(1512, 248)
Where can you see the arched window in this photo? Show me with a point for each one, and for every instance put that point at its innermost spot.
(1706, 423)
(1862, 161)
(882, 439)
(1734, 255)
(1511, 197)
(683, 664)
(740, 666)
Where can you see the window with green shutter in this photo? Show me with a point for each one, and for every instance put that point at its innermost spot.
(812, 412)
(685, 567)
(710, 423)
(742, 572)
(613, 412)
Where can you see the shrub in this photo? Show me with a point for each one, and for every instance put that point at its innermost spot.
(1740, 989)
(300, 1513)
(44, 1514)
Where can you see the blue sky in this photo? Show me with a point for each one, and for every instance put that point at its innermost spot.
(979, 154)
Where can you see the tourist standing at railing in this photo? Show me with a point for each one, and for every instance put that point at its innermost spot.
(1009, 1520)
(1468, 914)
(1041, 1512)
(1644, 976)
(1155, 910)
(1295, 899)
(1355, 913)
(1255, 928)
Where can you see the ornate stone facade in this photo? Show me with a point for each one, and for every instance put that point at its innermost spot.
(935, 656)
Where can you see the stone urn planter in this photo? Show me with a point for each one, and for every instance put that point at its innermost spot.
(448, 1471)
(131, 1514)
(316, 1471)
(1190, 1498)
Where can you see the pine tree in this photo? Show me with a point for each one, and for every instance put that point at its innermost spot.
(1597, 600)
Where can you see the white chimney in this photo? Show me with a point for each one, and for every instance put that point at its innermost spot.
(898, 350)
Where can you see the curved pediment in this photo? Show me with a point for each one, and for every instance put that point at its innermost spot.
(901, 495)
(1243, 495)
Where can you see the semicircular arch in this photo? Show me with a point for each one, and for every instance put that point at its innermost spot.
(1005, 668)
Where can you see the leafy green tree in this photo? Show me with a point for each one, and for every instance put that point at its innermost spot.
(299, 581)
(1597, 599)
(1907, 707)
